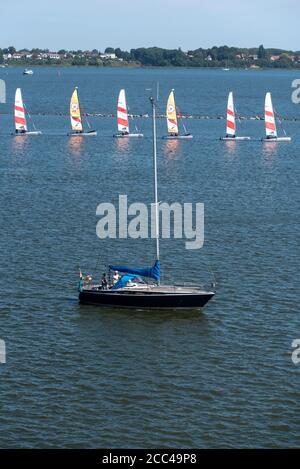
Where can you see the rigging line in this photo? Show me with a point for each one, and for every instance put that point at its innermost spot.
(85, 116)
(181, 120)
(280, 120)
(29, 116)
(237, 115)
(97, 262)
(213, 275)
(131, 116)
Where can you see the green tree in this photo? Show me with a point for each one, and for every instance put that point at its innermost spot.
(262, 53)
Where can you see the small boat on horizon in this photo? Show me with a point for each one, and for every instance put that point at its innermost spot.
(76, 120)
(122, 119)
(270, 123)
(20, 118)
(27, 71)
(172, 121)
(132, 290)
(230, 123)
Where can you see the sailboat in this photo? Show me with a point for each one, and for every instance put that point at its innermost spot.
(226, 68)
(231, 124)
(122, 118)
(20, 118)
(172, 122)
(270, 124)
(75, 116)
(132, 290)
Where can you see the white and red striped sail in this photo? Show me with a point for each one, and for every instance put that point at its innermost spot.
(270, 123)
(230, 125)
(122, 114)
(20, 119)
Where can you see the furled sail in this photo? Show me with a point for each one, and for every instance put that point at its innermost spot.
(75, 112)
(230, 125)
(171, 114)
(270, 124)
(122, 114)
(20, 119)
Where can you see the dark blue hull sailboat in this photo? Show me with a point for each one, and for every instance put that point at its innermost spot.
(131, 291)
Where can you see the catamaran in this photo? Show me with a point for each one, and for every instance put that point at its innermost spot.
(270, 124)
(122, 119)
(132, 290)
(172, 122)
(75, 116)
(20, 118)
(231, 124)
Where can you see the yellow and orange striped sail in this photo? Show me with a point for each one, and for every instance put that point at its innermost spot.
(171, 114)
(75, 112)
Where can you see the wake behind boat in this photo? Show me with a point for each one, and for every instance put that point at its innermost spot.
(122, 118)
(172, 121)
(270, 123)
(231, 124)
(132, 290)
(20, 118)
(76, 120)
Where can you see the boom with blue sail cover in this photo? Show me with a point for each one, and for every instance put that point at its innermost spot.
(150, 272)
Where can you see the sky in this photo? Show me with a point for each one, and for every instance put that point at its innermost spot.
(189, 24)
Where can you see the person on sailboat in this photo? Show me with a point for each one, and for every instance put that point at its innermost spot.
(20, 131)
(116, 277)
(104, 282)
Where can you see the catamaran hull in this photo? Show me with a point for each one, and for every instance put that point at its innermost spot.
(34, 132)
(278, 139)
(83, 134)
(233, 139)
(177, 137)
(144, 301)
(128, 135)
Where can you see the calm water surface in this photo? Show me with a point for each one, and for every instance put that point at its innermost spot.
(78, 376)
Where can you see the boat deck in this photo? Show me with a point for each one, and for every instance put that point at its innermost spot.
(154, 289)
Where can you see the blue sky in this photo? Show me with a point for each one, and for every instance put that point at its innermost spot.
(74, 24)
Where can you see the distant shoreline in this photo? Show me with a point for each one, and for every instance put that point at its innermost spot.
(144, 67)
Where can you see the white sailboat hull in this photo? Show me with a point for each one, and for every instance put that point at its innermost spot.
(177, 137)
(277, 139)
(233, 139)
(31, 132)
(92, 133)
(128, 135)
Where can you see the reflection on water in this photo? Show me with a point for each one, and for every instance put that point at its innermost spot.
(230, 148)
(122, 148)
(270, 149)
(19, 142)
(170, 148)
(122, 144)
(75, 144)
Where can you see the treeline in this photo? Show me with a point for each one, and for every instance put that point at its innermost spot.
(224, 56)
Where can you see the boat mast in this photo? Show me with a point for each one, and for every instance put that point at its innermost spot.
(155, 177)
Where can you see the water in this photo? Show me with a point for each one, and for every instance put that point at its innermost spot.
(78, 376)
